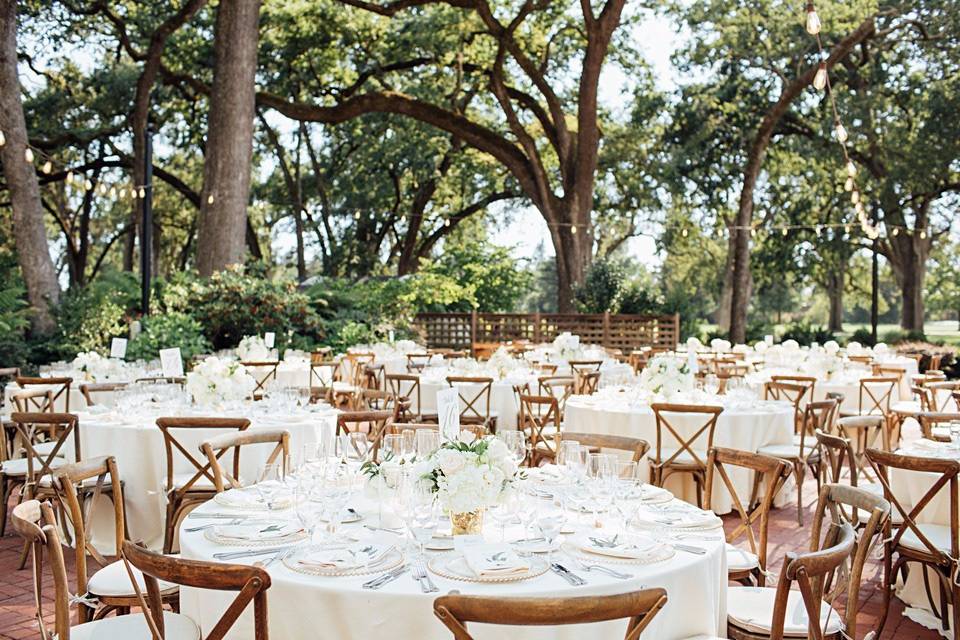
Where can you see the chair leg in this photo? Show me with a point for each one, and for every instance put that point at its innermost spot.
(5, 493)
(799, 472)
(886, 582)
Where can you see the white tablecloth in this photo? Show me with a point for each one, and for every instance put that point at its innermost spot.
(137, 444)
(748, 429)
(304, 607)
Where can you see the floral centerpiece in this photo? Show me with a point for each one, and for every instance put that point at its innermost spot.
(502, 362)
(468, 475)
(666, 376)
(566, 346)
(253, 349)
(214, 381)
(95, 367)
(720, 345)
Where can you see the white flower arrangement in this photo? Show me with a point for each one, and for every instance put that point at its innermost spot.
(253, 349)
(468, 474)
(96, 367)
(666, 376)
(831, 347)
(566, 346)
(694, 344)
(719, 344)
(761, 347)
(215, 380)
(502, 362)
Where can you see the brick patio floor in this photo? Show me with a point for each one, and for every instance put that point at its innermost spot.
(16, 595)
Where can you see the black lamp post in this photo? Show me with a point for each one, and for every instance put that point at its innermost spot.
(146, 226)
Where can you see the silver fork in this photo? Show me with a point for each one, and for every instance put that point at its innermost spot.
(212, 524)
(602, 569)
(420, 573)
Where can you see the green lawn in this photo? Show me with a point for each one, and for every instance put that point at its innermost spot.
(945, 330)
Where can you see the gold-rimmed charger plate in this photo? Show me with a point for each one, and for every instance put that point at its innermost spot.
(391, 560)
(454, 567)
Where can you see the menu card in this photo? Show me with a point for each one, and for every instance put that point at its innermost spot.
(118, 348)
(172, 362)
(448, 413)
(269, 338)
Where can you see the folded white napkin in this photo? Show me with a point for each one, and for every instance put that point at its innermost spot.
(693, 518)
(489, 560)
(924, 444)
(616, 546)
(260, 531)
(359, 554)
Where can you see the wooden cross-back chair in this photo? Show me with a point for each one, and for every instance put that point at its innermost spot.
(214, 449)
(43, 438)
(639, 607)
(475, 403)
(250, 582)
(935, 360)
(107, 588)
(876, 395)
(35, 401)
(941, 394)
(582, 367)
(180, 380)
(810, 570)
(547, 368)
(374, 376)
(262, 372)
(838, 459)
(636, 447)
(35, 523)
(637, 361)
(795, 393)
(586, 384)
(747, 567)
(356, 366)
(863, 432)
(803, 453)
(560, 387)
(867, 360)
(91, 389)
(373, 423)
(61, 387)
(675, 453)
(323, 373)
(406, 387)
(187, 490)
(888, 371)
(540, 421)
(933, 546)
(869, 513)
(929, 422)
(417, 362)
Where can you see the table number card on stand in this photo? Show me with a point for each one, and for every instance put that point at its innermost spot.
(118, 348)
(172, 362)
(448, 413)
(269, 339)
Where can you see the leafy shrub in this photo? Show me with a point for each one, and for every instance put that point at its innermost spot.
(863, 336)
(91, 317)
(806, 334)
(898, 336)
(14, 321)
(601, 288)
(168, 330)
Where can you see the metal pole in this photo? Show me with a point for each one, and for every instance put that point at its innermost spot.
(146, 227)
(874, 286)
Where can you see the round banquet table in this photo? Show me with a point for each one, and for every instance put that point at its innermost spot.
(303, 606)
(747, 428)
(503, 402)
(909, 488)
(136, 442)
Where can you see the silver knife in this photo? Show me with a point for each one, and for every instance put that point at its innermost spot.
(689, 549)
(376, 583)
(209, 516)
(247, 553)
(567, 575)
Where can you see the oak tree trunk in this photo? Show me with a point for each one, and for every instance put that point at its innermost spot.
(835, 295)
(33, 253)
(908, 259)
(227, 162)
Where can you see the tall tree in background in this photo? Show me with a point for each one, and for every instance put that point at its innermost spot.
(33, 253)
(226, 169)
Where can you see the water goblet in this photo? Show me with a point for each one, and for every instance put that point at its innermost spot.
(409, 437)
(392, 446)
(428, 441)
(568, 456)
(549, 525)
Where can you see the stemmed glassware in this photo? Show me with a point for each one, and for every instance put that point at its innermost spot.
(427, 441)
(550, 525)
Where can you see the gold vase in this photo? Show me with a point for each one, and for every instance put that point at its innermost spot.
(468, 523)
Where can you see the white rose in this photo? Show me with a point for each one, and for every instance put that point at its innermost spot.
(450, 461)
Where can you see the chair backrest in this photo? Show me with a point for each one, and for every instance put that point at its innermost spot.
(819, 415)
(942, 393)
(889, 371)
(357, 363)
(876, 394)
(90, 389)
(170, 427)
(930, 419)
(68, 481)
(546, 367)
(586, 384)
(374, 376)
(476, 405)
(250, 583)
(406, 386)
(883, 461)
(861, 359)
(417, 362)
(214, 448)
(372, 399)
(374, 423)
(560, 387)
(262, 373)
(772, 471)
(836, 451)
(839, 504)
(36, 524)
(180, 380)
(59, 428)
(792, 392)
(806, 381)
(640, 607)
(61, 387)
(323, 373)
(538, 415)
(35, 401)
(862, 431)
(669, 433)
(637, 447)
(811, 570)
(582, 367)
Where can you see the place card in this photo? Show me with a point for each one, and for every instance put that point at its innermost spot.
(448, 413)
(118, 348)
(269, 339)
(172, 362)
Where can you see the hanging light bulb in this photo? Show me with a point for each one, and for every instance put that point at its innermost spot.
(851, 169)
(87, 185)
(923, 235)
(684, 233)
(819, 230)
(846, 228)
(573, 230)
(446, 223)
(820, 79)
(895, 232)
(753, 233)
(102, 189)
(210, 199)
(133, 193)
(841, 133)
(142, 193)
(783, 232)
(28, 154)
(813, 20)
(858, 207)
(848, 185)
(3, 139)
(47, 167)
(69, 177)
(855, 197)
(356, 215)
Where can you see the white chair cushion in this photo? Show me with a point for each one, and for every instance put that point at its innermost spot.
(181, 479)
(741, 559)
(44, 448)
(18, 467)
(791, 451)
(906, 407)
(751, 608)
(938, 534)
(113, 580)
(683, 458)
(134, 627)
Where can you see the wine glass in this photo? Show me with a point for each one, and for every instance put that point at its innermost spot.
(568, 455)
(503, 512)
(354, 447)
(550, 525)
(306, 508)
(409, 437)
(269, 481)
(516, 442)
(392, 446)
(425, 515)
(711, 384)
(428, 441)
